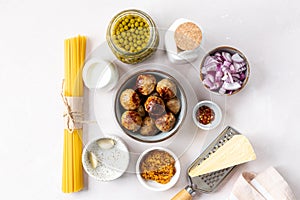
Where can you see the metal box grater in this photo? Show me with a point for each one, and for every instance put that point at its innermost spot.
(208, 182)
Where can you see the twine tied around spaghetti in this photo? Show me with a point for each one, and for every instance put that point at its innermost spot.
(73, 115)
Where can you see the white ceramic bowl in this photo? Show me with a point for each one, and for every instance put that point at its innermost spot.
(152, 185)
(215, 108)
(100, 74)
(112, 163)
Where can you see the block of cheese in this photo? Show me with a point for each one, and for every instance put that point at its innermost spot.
(235, 151)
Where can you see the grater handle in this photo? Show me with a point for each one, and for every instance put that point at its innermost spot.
(185, 194)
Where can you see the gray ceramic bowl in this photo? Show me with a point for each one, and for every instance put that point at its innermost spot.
(129, 82)
(232, 51)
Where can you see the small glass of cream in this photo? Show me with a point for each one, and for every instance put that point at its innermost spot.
(100, 74)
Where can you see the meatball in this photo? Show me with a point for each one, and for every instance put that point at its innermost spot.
(174, 105)
(166, 89)
(129, 99)
(141, 111)
(166, 122)
(145, 84)
(155, 106)
(148, 127)
(131, 120)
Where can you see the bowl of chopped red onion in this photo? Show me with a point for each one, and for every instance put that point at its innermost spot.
(224, 70)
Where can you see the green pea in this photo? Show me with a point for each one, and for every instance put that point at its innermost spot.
(131, 30)
(136, 32)
(139, 42)
(115, 41)
(123, 34)
(127, 47)
(139, 48)
(135, 45)
(142, 32)
(130, 38)
(138, 37)
(144, 45)
(121, 40)
(126, 42)
(134, 36)
(128, 34)
(142, 37)
(131, 43)
(134, 40)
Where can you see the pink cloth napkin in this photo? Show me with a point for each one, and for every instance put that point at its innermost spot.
(268, 185)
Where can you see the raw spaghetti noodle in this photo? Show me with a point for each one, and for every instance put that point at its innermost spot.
(72, 175)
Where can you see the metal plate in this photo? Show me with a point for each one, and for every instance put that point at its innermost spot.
(209, 182)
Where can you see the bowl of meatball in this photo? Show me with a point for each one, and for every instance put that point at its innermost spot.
(150, 106)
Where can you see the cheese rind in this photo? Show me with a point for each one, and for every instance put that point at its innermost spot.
(236, 151)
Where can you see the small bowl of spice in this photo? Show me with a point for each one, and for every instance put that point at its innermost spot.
(158, 169)
(207, 115)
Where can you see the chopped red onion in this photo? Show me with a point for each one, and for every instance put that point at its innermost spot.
(242, 69)
(237, 58)
(216, 85)
(207, 82)
(238, 65)
(231, 86)
(226, 63)
(210, 77)
(227, 56)
(223, 72)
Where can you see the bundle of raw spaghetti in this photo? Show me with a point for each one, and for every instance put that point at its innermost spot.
(72, 176)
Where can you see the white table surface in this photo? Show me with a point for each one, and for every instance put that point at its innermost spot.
(31, 52)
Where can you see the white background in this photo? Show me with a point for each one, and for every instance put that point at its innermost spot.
(31, 52)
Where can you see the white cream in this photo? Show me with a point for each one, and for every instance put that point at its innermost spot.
(99, 74)
(104, 77)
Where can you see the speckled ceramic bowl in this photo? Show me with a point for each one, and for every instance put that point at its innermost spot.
(111, 163)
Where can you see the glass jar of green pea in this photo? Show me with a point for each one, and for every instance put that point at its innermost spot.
(132, 36)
